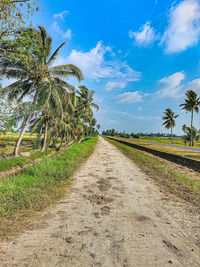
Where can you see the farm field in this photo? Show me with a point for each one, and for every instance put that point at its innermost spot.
(167, 140)
(8, 141)
(28, 152)
(173, 150)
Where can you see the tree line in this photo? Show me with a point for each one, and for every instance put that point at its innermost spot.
(113, 132)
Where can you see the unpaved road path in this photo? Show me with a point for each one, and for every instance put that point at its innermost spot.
(114, 216)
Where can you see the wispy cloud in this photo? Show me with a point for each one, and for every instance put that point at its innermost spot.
(145, 36)
(129, 97)
(96, 66)
(56, 28)
(170, 87)
(68, 34)
(194, 85)
(115, 85)
(183, 30)
(61, 15)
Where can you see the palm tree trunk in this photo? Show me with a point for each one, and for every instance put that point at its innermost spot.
(17, 145)
(191, 137)
(45, 136)
(172, 135)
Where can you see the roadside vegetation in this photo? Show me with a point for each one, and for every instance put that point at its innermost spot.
(6, 164)
(24, 195)
(183, 184)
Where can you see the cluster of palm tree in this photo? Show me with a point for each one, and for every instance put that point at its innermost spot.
(53, 108)
(191, 104)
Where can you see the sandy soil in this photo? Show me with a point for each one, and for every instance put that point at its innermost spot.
(114, 216)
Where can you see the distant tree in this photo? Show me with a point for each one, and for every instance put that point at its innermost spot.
(187, 134)
(98, 126)
(113, 132)
(169, 120)
(13, 14)
(191, 104)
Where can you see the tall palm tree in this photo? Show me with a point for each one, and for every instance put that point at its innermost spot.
(35, 75)
(191, 104)
(169, 121)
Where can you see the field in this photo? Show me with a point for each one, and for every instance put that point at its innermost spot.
(172, 150)
(8, 141)
(167, 140)
(28, 152)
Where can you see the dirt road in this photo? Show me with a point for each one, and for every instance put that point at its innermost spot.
(114, 216)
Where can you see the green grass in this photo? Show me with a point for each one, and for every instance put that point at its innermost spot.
(40, 185)
(6, 164)
(182, 184)
(38, 154)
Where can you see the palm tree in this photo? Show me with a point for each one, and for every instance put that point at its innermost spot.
(169, 120)
(191, 104)
(35, 75)
(86, 101)
(187, 134)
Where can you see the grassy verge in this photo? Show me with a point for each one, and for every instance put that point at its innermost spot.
(38, 187)
(181, 184)
(38, 154)
(6, 164)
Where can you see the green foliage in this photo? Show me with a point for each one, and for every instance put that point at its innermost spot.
(5, 164)
(38, 154)
(13, 14)
(188, 132)
(169, 119)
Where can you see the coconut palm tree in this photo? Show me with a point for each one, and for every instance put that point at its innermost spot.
(187, 134)
(35, 75)
(169, 121)
(85, 97)
(191, 104)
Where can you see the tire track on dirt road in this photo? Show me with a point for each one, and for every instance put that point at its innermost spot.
(114, 216)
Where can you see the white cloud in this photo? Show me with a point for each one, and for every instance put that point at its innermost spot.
(95, 65)
(61, 15)
(145, 36)
(194, 85)
(170, 87)
(183, 30)
(115, 85)
(68, 34)
(129, 97)
(56, 28)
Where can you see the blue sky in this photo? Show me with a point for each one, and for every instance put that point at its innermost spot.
(139, 56)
